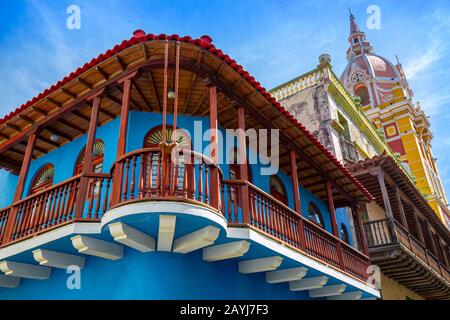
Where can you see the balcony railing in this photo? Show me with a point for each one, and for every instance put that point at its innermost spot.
(278, 220)
(53, 207)
(147, 174)
(386, 232)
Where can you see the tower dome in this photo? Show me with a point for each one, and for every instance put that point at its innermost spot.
(371, 77)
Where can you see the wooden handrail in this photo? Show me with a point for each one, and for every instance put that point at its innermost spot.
(37, 194)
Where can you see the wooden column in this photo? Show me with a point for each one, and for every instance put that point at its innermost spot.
(297, 203)
(122, 140)
(20, 186)
(361, 232)
(87, 164)
(387, 205)
(25, 166)
(401, 209)
(243, 168)
(295, 185)
(332, 210)
(214, 172)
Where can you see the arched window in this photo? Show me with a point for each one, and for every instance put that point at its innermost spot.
(363, 93)
(315, 215)
(277, 189)
(234, 167)
(43, 178)
(344, 234)
(154, 137)
(98, 151)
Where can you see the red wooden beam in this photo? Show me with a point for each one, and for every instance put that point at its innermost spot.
(87, 164)
(214, 185)
(243, 168)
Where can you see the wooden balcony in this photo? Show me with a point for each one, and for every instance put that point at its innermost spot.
(150, 175)
(405, 259)
(275, 219)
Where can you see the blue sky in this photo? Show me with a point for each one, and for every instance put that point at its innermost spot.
(274, 40)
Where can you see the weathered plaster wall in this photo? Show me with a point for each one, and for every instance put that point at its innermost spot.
(392, 290)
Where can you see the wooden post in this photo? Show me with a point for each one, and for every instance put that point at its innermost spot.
(401, 209)
(332, 209)
(361, 232)
(297, 203)
(214, 173)
(87, 164)
(387, 205)
(122, 140)
(25, 166)
(333, 221)
(243, 168)
(20, 185)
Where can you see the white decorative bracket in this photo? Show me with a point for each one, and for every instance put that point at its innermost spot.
(226, 251)
(57, 260)
(24, 270)
(308, 283)
(286, 275)
(166, 232)
(98, 248)
(196, 240)
(260, 265)
(9, 282)
(355, 295)
(132, 237)
(328, 291)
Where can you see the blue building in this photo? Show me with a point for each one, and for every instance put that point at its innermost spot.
(163, 170)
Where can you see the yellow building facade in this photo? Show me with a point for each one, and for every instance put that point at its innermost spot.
(387, 100)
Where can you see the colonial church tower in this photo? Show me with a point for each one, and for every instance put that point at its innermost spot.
(386, 99)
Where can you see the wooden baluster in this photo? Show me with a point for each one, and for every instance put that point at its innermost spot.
(57, 206)
(133, 177)
(23, 215)
(222, 199)
(99, 198)
(229, 198)
(72, 199)
(185, 180)
(200, 182)
(91, 197)
(150, 174)
(69, 193)
(158, 176)
(50, 210)
(125, 184)
(235, 203)
(207, 177)
(105, 202)
(142, 176)
(62, 204)
(175, 178)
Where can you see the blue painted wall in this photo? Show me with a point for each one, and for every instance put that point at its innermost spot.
(155, 275)
(8, 182)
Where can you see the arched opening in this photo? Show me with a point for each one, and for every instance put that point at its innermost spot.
(362, 92)
(344, 233)
(98, 151)
(277, 189)
(154, 137)
(315, 215)
(43, 178)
